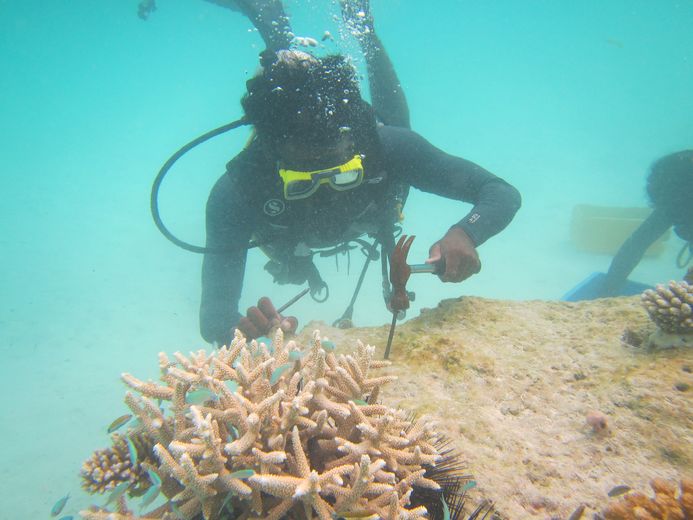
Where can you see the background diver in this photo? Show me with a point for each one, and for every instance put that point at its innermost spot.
(670, 190)
(320, 172)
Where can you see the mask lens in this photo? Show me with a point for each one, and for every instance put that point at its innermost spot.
(301, 184)
(299, 188)
(346, 178)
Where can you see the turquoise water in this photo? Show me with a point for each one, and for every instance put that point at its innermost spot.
(568, 101)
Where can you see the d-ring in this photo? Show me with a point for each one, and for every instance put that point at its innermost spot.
(681, 259)
(315, 293)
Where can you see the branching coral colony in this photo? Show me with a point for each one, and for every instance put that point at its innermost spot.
(256, 431)
(668, 503)
(671, 308)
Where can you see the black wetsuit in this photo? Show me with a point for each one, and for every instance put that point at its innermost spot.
(634, 248)
(248, 202)
(632, 251)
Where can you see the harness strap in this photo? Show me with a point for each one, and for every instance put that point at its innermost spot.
(684, 257)
(371, 252)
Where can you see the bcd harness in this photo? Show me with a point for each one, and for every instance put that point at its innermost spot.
(388, 229)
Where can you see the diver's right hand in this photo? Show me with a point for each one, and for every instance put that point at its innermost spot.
(455, 255)
(260, 320)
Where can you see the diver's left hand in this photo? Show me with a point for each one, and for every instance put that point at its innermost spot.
(456, 255)
(260, 320)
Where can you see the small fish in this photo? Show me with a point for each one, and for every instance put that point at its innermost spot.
(132, 450)
(59, 505)
(279, 371)
(242, 473)
(577, 514)
(619, 490)
(327, 344)
(446, 509)
(199, 396)
(68, 517)
(265, 340)
(360, 402)
(154, 477)
(469, 485)
(348, 516)
(295, 355)
(119, 422)
(150, 496)
(117, 492)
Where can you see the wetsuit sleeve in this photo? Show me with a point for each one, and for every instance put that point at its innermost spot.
(387, 95)
(633, 249)
(229, 227)
(422, 165)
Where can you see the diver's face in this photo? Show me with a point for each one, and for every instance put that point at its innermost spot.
(298, 154)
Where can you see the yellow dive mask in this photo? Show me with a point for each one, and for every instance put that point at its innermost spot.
(299, 185)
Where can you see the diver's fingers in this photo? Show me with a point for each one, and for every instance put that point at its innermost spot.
(470, 265)
(289, 324)
(476, 266)
(453, 269)
(459, 268)
(258, 318)
(247, 328)
(434, 254)
(267, 308)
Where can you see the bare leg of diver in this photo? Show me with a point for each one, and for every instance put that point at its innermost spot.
(387, 95)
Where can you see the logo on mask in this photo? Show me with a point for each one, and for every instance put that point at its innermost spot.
(273, 207)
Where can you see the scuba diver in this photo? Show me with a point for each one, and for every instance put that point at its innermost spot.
(323, 169)
(670, 190)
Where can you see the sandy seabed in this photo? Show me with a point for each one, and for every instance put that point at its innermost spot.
(512, 383)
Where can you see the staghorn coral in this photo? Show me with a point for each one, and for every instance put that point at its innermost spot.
(107, 468)
(252, 431)
(669, 503)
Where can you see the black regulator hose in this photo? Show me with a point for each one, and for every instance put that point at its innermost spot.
(154, 200)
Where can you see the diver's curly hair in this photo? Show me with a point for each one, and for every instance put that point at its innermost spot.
(317, 99)
(670, 183)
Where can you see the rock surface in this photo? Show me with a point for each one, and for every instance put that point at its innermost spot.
(516, 385)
